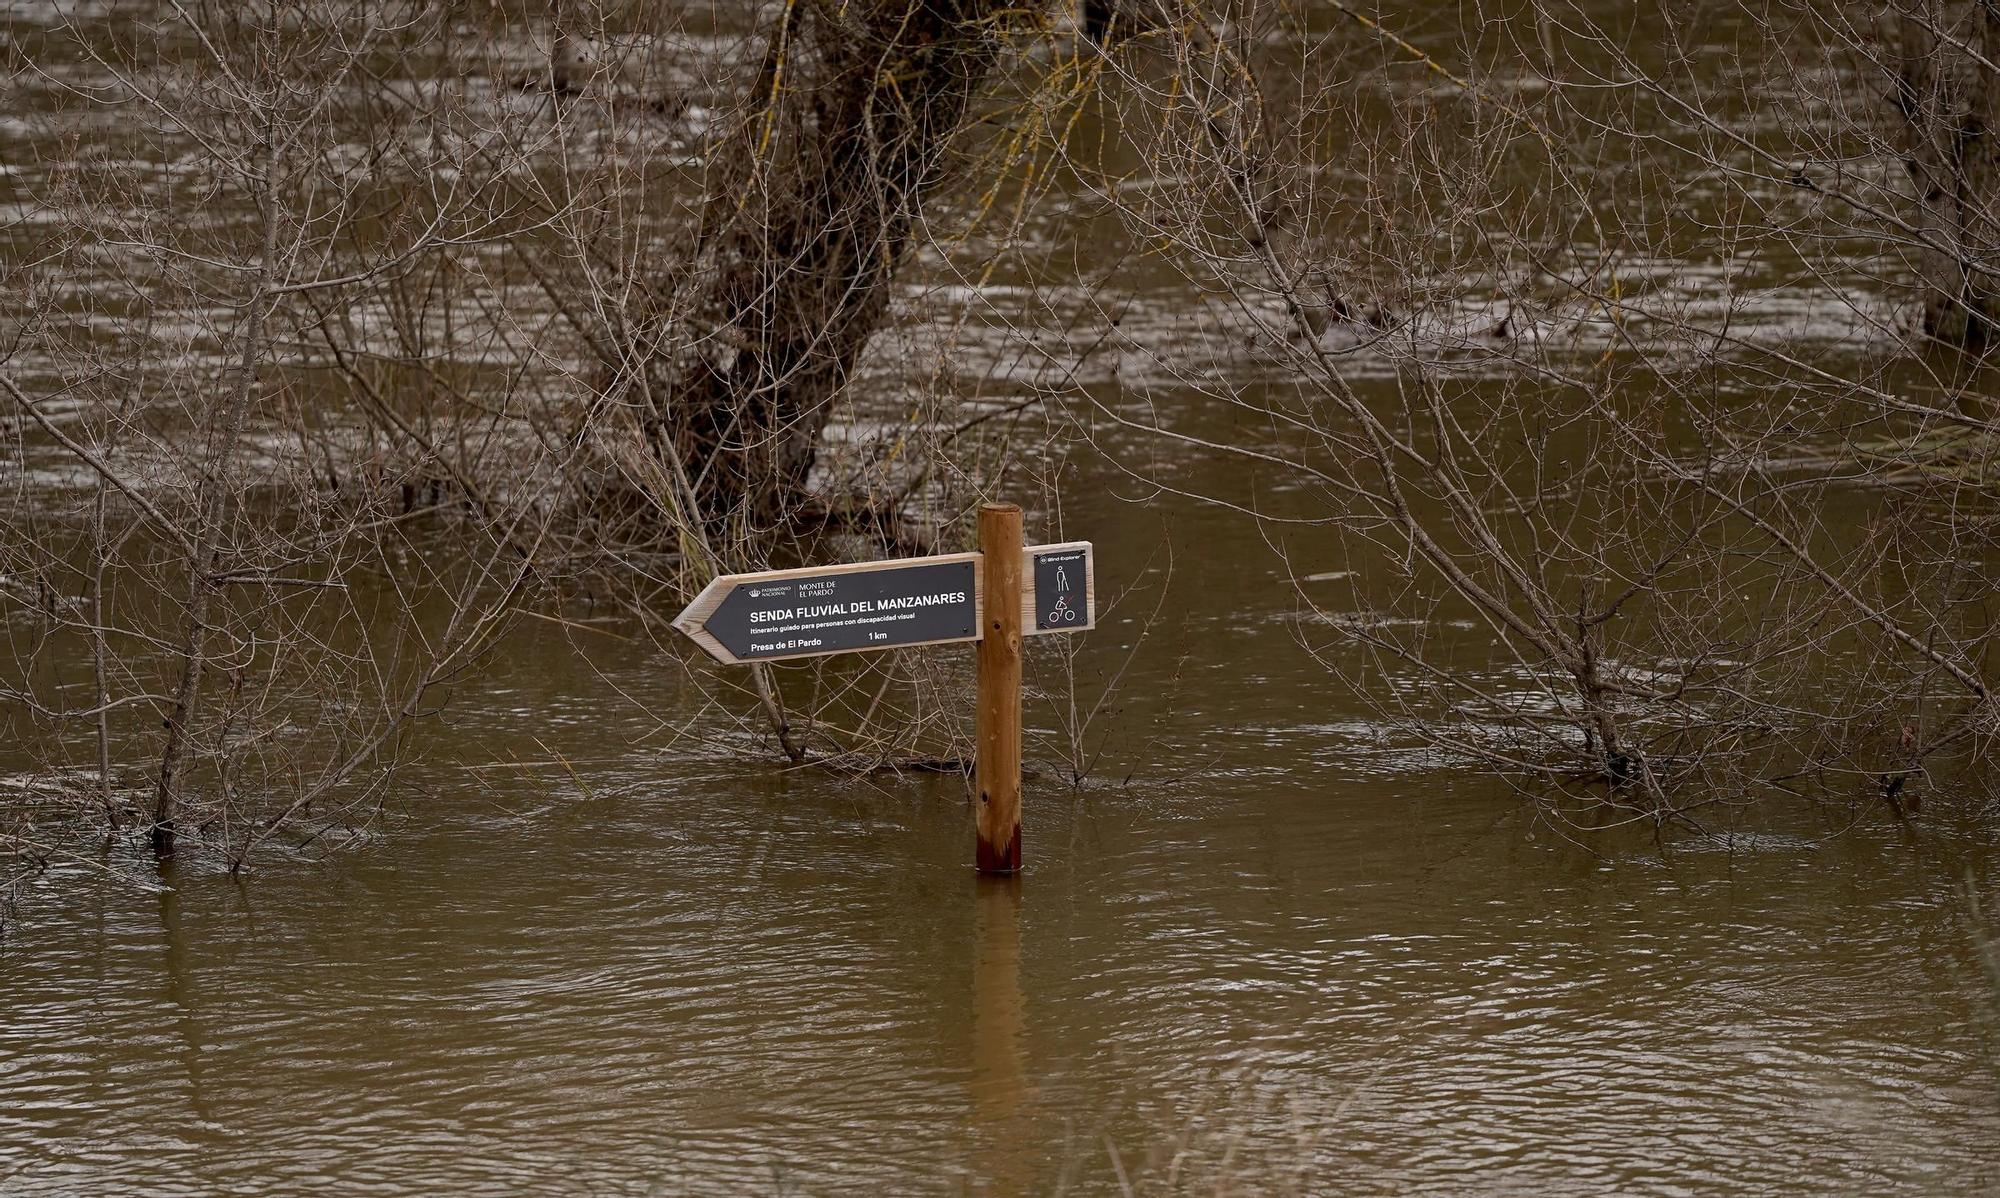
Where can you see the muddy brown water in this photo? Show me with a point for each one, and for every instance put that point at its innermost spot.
(1276, 954)
(1266, 946)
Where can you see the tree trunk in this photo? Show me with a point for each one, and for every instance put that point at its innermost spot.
(223, 436)
(1947, 89)
(851, 125)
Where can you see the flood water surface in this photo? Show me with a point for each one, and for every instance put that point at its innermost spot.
(1273, 959)
(604, 942)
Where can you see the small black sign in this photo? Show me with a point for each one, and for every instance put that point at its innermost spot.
(837, 612)
(1062, 589)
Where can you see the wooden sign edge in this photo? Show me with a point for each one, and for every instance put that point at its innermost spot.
(692, 621)
(1028, 621)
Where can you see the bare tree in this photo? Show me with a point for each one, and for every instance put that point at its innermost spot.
(789, 274)
(221, 480)
(1940, 60)
(1595, 356)
(1622, 416)
(326, 450)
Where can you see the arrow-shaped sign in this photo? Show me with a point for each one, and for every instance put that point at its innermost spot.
(781, 614)
(837, 609)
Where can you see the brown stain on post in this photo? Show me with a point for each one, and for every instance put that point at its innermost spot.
(998, 767)
(1002, 861)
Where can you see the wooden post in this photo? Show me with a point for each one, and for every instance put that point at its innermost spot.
(998, 768)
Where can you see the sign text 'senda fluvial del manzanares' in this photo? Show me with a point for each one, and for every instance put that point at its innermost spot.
(803, 613)
(781, 614)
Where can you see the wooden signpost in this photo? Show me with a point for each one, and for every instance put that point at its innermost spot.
(995, 597)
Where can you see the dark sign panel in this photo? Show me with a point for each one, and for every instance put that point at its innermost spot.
(803, 613)
(1063, 595)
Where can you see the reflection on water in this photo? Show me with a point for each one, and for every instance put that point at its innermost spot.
(997, 1080)
(179, 992)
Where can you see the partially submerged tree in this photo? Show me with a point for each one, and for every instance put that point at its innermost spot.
(325, 450)
(1593, 363)
(816, 198)
(274, 572)
(1940, 57)
(1588, 349)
